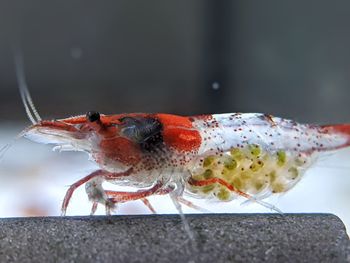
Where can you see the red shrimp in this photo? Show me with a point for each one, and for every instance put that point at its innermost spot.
(220, 156)
(211, 156)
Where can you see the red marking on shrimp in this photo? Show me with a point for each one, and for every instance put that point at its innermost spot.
(182, 139)
(338, 128)
(119, 197)
(269, 118)
(74, 120)
(178, 133)
(120, 149)
(174, 120)
(219, 181)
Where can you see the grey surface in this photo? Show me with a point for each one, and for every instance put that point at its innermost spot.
(160, 238)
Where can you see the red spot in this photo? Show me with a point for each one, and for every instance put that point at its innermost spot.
(120, 149)
(179, 133)
(174, 120)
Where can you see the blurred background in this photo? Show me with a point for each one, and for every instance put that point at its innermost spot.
(289, 59)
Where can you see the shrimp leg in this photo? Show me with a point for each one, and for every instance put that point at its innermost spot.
(111, 198)
(144, 200)
(120, 197)
(96, 174)
(182, 200)
(191, 205)
(176, 190)
(115, 197)
(233, 189)
(93, 208)
(148, 204)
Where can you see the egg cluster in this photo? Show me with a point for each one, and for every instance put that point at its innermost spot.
(251, 169)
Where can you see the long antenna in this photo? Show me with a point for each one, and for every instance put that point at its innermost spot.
(4, 149)
(30, 109)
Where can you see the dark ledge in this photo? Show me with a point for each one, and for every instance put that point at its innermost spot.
(160, 238)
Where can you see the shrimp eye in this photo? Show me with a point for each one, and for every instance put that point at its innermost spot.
(92, 116)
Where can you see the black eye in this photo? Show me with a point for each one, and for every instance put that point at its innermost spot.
(92, 116)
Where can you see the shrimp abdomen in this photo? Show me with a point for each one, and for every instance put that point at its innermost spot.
(222, 132)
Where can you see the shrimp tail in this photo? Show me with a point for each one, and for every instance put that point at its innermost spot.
(338, 130)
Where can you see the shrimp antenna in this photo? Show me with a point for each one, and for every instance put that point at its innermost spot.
(4, 149)
(30, 109)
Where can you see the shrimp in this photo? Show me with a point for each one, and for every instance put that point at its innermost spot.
(218, 156)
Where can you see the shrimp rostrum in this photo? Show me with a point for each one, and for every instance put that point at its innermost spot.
(220, 156)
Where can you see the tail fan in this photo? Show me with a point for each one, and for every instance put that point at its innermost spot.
(338, 128)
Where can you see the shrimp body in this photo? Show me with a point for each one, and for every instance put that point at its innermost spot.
(209, 156)
(258, 153)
